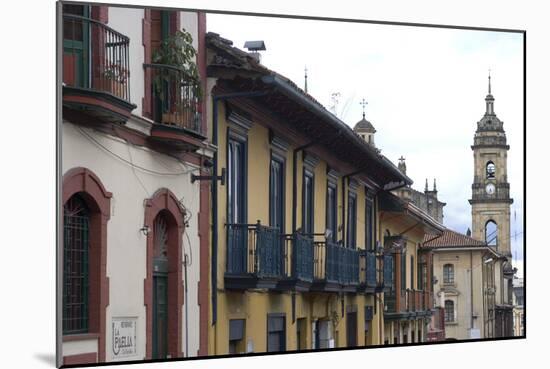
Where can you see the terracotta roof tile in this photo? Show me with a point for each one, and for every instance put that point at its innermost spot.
(450, 238)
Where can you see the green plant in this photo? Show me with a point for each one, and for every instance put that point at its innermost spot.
(177, 51)
(115, 72)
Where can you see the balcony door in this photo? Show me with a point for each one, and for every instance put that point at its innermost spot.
(236, 206)
(331, 212)
(276, 193)
(307, 203)
(76, 45)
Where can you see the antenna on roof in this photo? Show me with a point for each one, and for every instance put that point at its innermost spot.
(334, 98)
(305, 79)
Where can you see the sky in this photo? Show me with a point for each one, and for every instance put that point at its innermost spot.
(425, 89)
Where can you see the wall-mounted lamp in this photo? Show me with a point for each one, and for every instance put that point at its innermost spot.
(145, 230)
(488, 261)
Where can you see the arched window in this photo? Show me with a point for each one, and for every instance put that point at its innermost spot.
(76, 275)
(448, 273)
(490, 170)
(491, 233)
(449, 311)
(86, 212)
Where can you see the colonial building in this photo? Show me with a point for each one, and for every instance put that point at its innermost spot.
(295, 257)
(408, 304)
(464, 269)
(134, 250)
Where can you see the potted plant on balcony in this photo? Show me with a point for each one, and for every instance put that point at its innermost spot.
(115, 77)
(182, 81)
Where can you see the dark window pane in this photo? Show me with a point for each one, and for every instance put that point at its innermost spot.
(76, 225)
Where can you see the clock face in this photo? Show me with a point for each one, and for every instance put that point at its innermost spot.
(490, 188)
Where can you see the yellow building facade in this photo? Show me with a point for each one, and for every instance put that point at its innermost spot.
(408, 304)
(296, 256)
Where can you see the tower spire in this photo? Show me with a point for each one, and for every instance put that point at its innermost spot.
(426, 188)
(489, 100)
(435, 186)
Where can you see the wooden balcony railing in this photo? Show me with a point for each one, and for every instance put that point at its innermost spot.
(254, 249)
(176, 98)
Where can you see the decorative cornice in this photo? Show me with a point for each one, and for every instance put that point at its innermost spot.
(240, 119)
(353, 184)
(310, 160)
(333, 175)
(279, 143)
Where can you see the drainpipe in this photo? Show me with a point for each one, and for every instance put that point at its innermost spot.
(185, 262)
(214, 190)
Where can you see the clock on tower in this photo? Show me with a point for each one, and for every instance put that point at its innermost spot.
(490, 190)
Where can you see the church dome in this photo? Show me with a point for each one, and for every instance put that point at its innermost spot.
(364, 126)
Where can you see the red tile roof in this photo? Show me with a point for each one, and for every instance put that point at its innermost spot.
(451, 238)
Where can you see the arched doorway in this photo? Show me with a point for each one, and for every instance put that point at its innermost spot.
(164, 285)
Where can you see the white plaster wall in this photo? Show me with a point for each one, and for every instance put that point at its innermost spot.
(126, 245)
(189, 21)
(79, 347)
(129, 22)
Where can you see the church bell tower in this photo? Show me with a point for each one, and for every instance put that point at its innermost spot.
(490, 190)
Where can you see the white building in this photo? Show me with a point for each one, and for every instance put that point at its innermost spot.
(135, 223)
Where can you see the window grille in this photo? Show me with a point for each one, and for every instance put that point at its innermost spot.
(76, 239)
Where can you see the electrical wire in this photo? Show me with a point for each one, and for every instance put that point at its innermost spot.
(150, 171)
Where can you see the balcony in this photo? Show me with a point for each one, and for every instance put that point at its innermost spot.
(298, 262)
(176, 108)
(336, 268)
(96, 72)
(369, 276)
(376, 272)
(254, 256)
(410, 304)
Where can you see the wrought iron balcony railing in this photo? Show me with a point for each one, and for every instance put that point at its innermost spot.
(336, 264)
(95, 57)
(254, 249)
(298, 258)
(368, 269)
(175, 98)
(388, 271)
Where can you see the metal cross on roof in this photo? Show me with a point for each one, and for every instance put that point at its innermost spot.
(363, 103)
(401, 158)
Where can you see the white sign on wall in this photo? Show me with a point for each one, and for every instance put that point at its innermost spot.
(124, 337)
